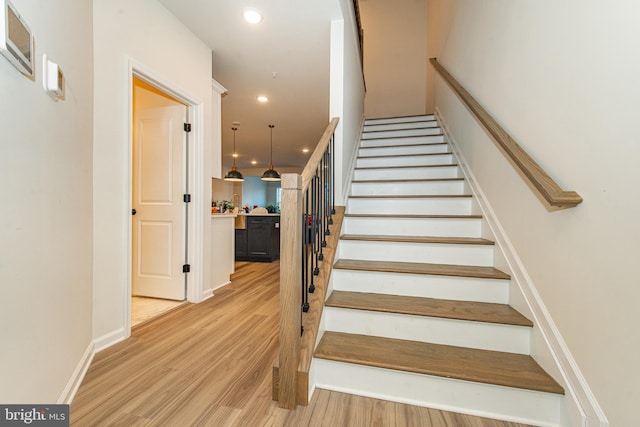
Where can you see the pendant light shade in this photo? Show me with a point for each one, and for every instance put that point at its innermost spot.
(271, 174)
(234, 175)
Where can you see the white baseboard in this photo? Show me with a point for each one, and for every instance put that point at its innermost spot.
(71, 389)
(578, 392)
(109, 339)
(206, 295)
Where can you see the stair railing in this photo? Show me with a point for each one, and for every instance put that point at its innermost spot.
(306, 210)
(541, 181)
(356, 9)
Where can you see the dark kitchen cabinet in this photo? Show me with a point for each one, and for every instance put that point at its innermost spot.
(260, 240)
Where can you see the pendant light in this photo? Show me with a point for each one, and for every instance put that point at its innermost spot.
(233, 174)
(271, 174)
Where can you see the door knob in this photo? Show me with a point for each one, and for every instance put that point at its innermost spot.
(133, 212)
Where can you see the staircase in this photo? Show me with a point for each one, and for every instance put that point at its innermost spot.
(416, 311)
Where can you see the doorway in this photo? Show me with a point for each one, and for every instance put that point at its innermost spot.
(159, 220)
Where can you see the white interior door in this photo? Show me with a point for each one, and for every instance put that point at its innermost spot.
(159, 222)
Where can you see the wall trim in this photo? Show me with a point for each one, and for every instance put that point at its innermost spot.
(77, 376)
(578, 392)
(107, 340)
(221, 90)
(196, 178)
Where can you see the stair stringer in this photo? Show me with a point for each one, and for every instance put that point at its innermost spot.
(548, 348)
(352, 166)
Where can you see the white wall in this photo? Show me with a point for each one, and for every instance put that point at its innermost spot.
(395, 56)
(46, 209)
(223, 190)
(347, 96)
(146, 33)
(562, 78)
(254, 191)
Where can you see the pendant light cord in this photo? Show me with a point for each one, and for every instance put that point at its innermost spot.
(271, 154)
(234, 129)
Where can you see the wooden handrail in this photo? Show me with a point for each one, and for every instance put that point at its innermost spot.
(291, 269)
(356, 9)
(316, 156)
(546, 186)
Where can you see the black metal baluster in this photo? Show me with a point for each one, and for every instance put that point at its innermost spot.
(333, 174)
(314, 230)
(305, 254)
(325, 199)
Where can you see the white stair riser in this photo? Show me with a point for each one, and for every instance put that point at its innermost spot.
(408, 140)
(404, 149)
(407, 125)
(427, 206)
(416, 160)
(422, 285)
(439, 227)
(433, 172)
(408, 119)
(433, 253)
(486, 400)
(415, 188)
(401, 132)
(460, 333)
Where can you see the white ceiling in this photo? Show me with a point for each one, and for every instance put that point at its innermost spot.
(292, 41)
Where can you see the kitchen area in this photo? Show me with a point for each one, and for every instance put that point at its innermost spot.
(245, 224)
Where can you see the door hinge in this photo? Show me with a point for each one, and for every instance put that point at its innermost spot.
(187, 127)
(186, 268)
(187, 198)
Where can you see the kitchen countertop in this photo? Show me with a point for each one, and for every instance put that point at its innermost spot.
(267, 214)
(219, 215)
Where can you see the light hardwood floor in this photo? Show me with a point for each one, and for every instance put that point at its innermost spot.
(210, 364)
(144, 309)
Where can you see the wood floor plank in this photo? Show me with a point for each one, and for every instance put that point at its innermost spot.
(418, 239)
(208, 364)
(431, 307)
(490, 367)
(421, 268)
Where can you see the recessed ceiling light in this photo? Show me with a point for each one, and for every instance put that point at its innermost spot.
(235, 154)
(252, 15)
(305, 150)
(262, 98)
(254, 162)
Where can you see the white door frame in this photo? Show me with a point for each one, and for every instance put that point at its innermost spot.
(195, 158)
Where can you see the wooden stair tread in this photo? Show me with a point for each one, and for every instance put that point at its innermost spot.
(380, 156)
(485, 366)
(405, 145)
(412, 196)
(420, 117)
(418, 239)
(408, 180)
(414, 128)
(422, 268)
(413, 216)
(405, 167)
(430, 307)
(404, 136)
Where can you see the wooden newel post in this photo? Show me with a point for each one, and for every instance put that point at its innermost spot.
(290, 290)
